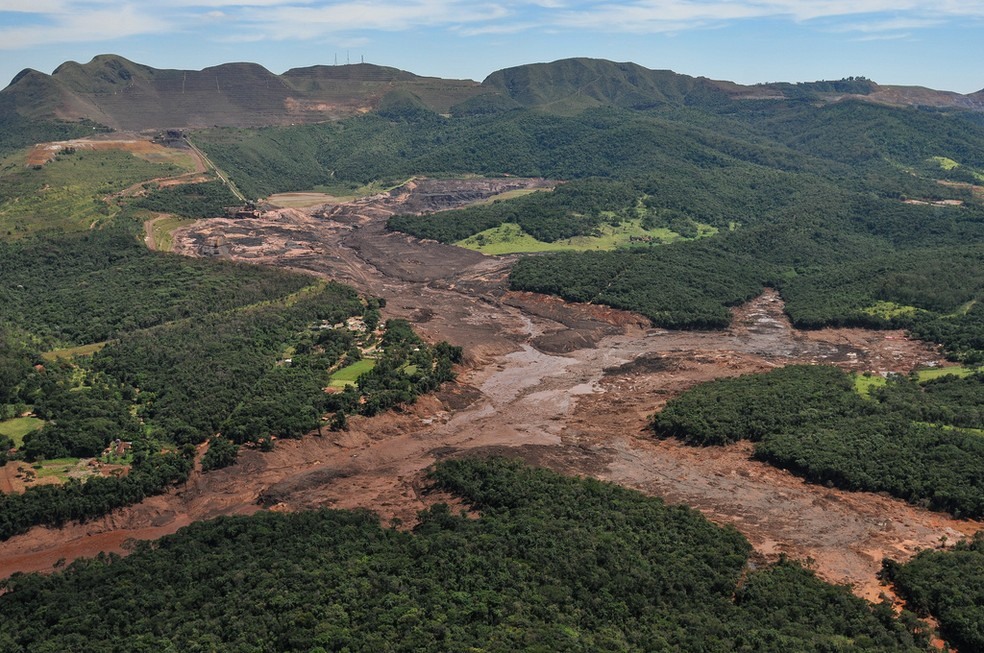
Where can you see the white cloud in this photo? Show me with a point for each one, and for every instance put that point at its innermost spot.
(510, 27)
(357, 16)
(51, 22)
(891, 25)
(895, 36)
(33, 6)
(666, 15)
(80, 27)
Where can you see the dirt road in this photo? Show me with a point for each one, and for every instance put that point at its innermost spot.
(565, 386)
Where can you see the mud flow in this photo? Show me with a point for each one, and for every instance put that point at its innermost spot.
(566, 386)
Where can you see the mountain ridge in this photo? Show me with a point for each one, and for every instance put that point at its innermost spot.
(125, 95)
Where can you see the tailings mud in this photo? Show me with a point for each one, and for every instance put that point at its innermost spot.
(566, 386)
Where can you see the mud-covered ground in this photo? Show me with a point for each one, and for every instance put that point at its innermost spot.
(565, 386)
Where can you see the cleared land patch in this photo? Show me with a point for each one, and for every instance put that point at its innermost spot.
(865, 383)
(302, 200)
(510, 238)
(889, 310)
(148, 151)
(18, 427)
(160, 231)
(937, 372)
(511, 194)
(349, 374)
(72, 352)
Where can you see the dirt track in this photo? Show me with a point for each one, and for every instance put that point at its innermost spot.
(566, 386)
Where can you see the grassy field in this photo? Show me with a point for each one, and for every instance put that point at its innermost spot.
(163, 228)
(510, 194)
(17, 428)
(67, 193)
(865, 384)
(509, 238)
(72, 352)
(304, 200)
(937, 372)
(56, 467)
(944, 163)
(350, 374)
(348, 192)
(888, 310)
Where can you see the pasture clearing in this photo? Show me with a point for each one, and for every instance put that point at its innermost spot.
(889, 310)
(937, 372)
(69, 353)
(303, 200)
(944, 163)
(57, 468)
(865, 383)
(160, 231)
(44, 153)
(510, 238)
(510, 194)
(350, 374)
(18, 427)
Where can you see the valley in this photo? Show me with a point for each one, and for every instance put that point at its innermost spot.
(704, 293)
(566, 386)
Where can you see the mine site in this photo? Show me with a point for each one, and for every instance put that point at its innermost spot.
(566, 386)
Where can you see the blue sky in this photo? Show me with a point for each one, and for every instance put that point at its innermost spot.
(934, 43)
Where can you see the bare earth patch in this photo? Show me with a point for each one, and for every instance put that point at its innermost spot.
(566, 386)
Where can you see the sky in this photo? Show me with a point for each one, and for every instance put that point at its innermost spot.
(933, 43)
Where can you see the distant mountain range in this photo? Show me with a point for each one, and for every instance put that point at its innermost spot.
(123, 95)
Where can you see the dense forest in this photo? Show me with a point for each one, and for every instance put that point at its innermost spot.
(203, 200)
(186, 349)
(950, 586)
(908, 439)
(552, 564)
(79, 289)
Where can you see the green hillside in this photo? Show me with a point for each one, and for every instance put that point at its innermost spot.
(111, 90)
(572, 85)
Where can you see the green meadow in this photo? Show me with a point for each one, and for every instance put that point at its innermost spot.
(510, 238)
(349, 374)
(18, 427)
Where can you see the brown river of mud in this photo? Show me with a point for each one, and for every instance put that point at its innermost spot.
(565, 386)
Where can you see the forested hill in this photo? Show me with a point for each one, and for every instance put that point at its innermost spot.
(121, 94)
(114, 92)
